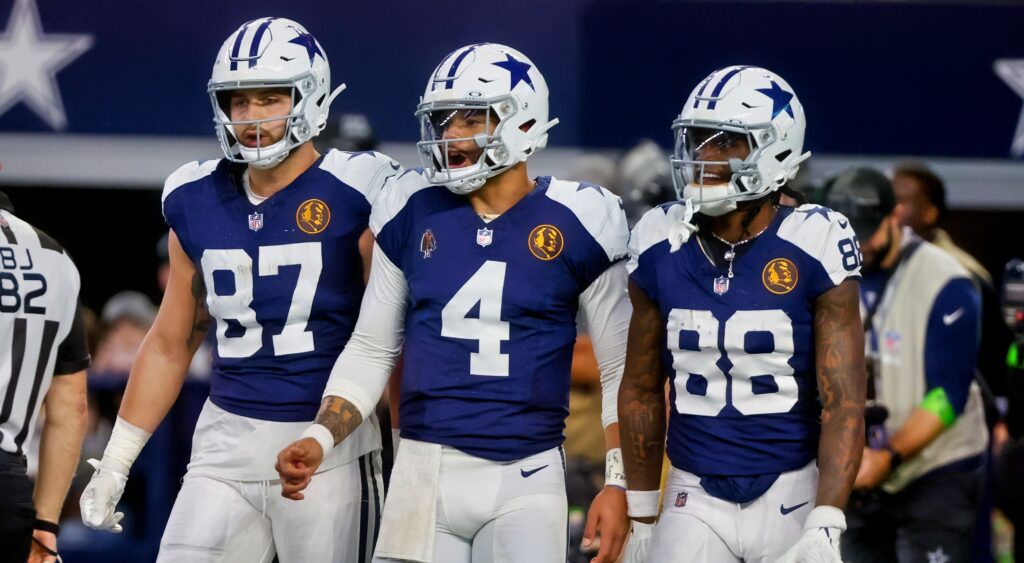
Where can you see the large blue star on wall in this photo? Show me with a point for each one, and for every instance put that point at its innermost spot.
(306, 40)
(517, 71)
(780, 99)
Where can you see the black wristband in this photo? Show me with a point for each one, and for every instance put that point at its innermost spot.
(46, 526)
(895, 457)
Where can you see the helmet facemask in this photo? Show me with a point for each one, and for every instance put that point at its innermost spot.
(448, 160)
(717, 165)
(297, 128)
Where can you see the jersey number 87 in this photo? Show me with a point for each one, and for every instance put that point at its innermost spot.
(294, 338)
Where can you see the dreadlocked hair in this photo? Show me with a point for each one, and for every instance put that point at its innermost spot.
(794, 193)
(749, 214)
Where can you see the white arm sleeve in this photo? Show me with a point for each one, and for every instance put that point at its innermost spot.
(364, 367)
(606, 310)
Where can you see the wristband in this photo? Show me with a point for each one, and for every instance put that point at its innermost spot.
(642, 504)
(614, 470)
(46, 526)
(937, 403)
(126, 441)
(895, 457)
(322, 435)
(824, 516)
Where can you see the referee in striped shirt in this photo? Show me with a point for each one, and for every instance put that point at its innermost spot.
(43, 356)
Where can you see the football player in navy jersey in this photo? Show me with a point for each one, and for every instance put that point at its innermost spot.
(481, 271)
(265, 244)
(750, 310)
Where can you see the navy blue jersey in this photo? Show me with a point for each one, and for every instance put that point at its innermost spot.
(491, 321)
(740, 351)
(283, 278)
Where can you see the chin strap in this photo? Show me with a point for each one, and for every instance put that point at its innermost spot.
(334, 94)
(544, 129)
(683, 226)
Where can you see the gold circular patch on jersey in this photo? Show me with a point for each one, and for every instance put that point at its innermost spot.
(313, 216)
(780, 276)
(546, 242)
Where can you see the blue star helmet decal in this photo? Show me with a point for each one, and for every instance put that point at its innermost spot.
(780, 99)
(517, 71)
(306, 40)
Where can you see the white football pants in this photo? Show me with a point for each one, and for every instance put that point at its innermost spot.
(218, 520)
(500, 512)
(697, 527)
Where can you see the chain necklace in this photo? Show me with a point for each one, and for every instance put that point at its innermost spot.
(730, 254)
(721, 283)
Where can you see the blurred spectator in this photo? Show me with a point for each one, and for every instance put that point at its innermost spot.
(920, 479)
(593, 168)
(350, 132)
(1009, 451)
(921, 205)
(645, 179)
(126, 318)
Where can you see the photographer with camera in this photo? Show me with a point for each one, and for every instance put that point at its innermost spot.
(921, 475)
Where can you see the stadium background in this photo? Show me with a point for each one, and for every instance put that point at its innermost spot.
(101, 99)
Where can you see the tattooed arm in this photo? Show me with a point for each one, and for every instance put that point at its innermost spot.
(642, 396)
(842, 384)
(163, 360)
(358, 378)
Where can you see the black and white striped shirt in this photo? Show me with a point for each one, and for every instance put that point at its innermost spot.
(41, 328)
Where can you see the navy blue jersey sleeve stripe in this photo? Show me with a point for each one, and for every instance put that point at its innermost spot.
(951, 341)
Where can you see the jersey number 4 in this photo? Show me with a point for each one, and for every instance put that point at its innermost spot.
(697, 366)
(484, 287)
(294, 338)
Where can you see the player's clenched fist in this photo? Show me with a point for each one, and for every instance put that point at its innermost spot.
(296, 464)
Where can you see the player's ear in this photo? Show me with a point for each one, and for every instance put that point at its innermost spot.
(931, 215)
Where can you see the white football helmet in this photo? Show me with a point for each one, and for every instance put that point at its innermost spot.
(272, 53)
(733, 106)
(497, 82)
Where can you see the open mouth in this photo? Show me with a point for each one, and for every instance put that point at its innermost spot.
(712, 179)
(458, 160)
(252, 140)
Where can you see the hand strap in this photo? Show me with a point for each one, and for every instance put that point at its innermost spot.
(43, 547)
(46, 526)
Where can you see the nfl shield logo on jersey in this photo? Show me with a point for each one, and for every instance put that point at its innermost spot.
(484, 236)
(721, 285)
(256, 221)
(681, 499)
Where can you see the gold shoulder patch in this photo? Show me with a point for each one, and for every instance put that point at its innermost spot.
(780, 276)
(546, 242)
(313, 216)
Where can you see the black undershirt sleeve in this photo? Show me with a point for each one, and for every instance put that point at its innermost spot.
(73, 353)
